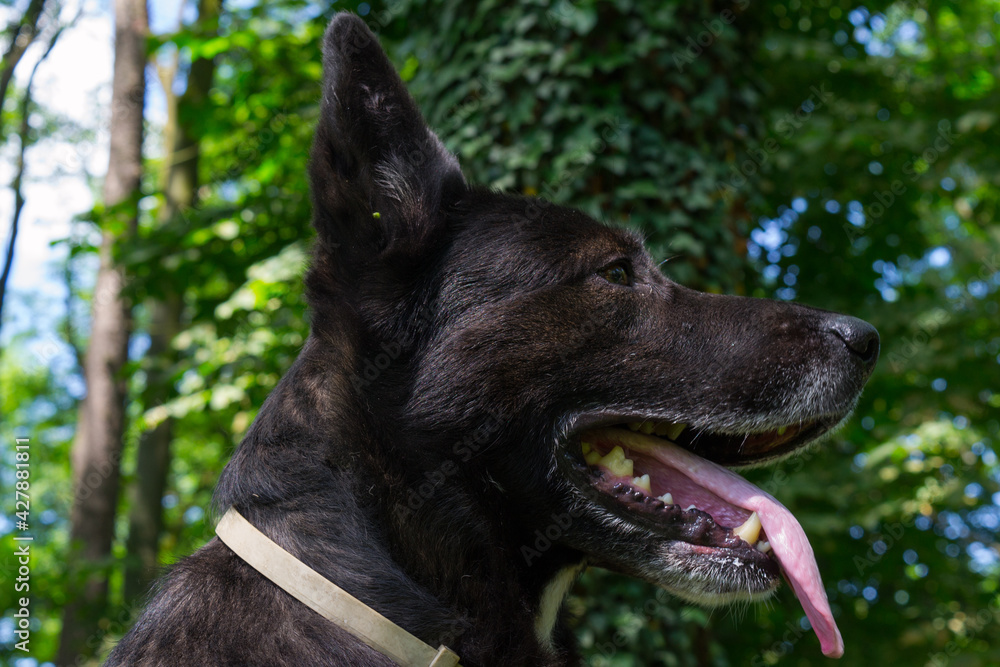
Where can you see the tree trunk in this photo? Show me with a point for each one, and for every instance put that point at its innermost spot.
(100, 427)
(180, 194)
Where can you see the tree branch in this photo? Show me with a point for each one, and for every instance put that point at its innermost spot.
(22, 33)
(25, 139)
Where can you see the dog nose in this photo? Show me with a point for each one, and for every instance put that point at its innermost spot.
(860, 337)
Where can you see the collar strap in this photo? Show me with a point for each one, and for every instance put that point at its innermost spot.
(327, 599)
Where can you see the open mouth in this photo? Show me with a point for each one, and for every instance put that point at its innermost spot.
(736, 539)
(738, 450)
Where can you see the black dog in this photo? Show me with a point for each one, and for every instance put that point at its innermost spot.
(485, 406)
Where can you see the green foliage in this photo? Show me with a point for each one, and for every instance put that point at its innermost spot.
(35, 405)
(806, 150)
(595, 105)
(883, 203)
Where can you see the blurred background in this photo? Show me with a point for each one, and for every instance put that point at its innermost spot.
(838, 154)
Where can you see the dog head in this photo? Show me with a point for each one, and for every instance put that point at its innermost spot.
(533, 369)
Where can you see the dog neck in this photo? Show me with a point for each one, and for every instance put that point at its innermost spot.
(467, 589)
(326, 598)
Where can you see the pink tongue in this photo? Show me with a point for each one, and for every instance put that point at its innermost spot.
(787, 539)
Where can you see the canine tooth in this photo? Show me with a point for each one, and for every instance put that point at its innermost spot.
(750, 529)
(668, 430)
(585, 446)
(616, 462)
(763, 546)
(675, 430)
(667, 498)
(635, 426)
(642, 483)
(647, 428)
(593, 457)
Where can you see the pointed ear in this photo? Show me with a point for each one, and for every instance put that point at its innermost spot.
(379, 175)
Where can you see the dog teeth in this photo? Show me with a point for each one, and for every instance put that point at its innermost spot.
(616, 462)
(763, 546)
(663, 429)
(668, 430)
(668, 499)
(590, 455)
(675, 430)
(689, 508)
(750, 529)
(642, 483)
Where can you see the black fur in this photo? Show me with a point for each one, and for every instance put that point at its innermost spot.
(460, 337)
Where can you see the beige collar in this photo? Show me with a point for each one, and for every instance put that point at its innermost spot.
(325, 598)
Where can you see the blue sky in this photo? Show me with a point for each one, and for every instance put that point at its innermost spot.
(63, 177)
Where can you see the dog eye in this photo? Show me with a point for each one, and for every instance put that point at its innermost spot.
(617, 274)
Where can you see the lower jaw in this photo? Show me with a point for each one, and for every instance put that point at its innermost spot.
(633, 485)
(690, 525)
(710, 569)
(687, 554)
(706, 576)
(714, 577)
(700, 559)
